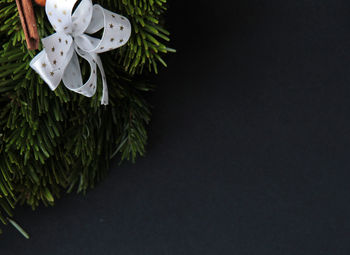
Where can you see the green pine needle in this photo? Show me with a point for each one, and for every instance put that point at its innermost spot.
(19, 228)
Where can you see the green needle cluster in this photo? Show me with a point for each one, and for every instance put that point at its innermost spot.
(54, 142)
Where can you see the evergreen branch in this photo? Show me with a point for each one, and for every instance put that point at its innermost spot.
(60, 142)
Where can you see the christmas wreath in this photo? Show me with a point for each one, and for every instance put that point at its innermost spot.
(63, 140)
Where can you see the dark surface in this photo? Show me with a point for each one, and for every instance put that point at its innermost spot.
(249, 148)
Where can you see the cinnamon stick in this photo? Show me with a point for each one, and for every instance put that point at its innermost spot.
(27, 17)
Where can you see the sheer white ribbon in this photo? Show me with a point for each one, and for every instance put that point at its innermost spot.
(59, 59)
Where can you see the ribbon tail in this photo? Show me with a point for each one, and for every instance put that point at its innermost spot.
(72, 76)
(105, 97)
(41, 64)
(89, 88)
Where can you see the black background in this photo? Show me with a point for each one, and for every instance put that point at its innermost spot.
(248, 150)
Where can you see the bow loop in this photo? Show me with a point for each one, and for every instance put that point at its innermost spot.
(82, 17)
(117, 29)
(60, 14)
(59, 59)
(58, 48)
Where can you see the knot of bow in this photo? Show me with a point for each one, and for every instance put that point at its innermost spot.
(59, 58)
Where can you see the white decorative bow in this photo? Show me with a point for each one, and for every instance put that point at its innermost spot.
(59, 61)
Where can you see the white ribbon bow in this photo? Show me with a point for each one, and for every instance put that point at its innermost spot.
(59, 61)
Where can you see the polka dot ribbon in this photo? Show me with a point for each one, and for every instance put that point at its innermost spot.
(59, 59)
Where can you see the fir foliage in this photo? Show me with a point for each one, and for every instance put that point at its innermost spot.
(54, 142)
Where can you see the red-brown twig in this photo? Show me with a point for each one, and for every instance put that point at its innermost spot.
(27, 16)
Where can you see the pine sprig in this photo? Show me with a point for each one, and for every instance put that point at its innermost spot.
(54, 142)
